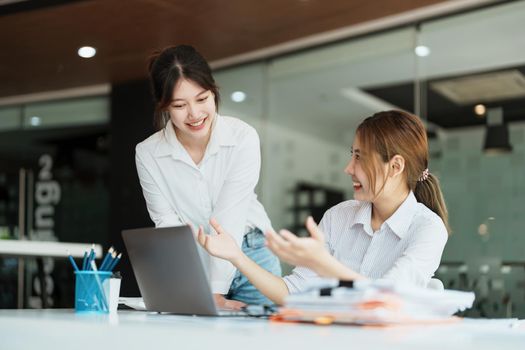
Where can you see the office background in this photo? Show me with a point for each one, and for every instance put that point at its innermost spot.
(305, 100)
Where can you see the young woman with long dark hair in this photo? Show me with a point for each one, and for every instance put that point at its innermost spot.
(200, 165)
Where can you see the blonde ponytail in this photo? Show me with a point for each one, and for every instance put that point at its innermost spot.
(428, 192)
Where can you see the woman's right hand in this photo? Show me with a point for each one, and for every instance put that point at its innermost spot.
(220, 244)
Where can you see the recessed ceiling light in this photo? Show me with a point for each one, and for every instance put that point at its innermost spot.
(238, 96)
(35, 121)
(422, 51)
(87, 51)
(480, 110)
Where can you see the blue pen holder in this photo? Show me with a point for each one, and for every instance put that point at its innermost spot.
(92, 291)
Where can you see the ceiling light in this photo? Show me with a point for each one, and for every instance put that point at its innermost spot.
(497, 134)
(35, 121)
(238, 96)
(422, 51)
(497, 140)
(480, 110)
(87, 51)
(482, 88)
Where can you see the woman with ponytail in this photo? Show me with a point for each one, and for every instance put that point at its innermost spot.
(395, 228)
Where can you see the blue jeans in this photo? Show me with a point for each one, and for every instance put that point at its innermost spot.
(253, 246)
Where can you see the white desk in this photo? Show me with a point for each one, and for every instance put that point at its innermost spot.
(23, 248)
(63, 329)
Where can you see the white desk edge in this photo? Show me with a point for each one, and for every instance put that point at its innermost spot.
(25, 248)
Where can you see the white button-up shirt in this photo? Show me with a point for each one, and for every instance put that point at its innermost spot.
(407, 247)
(177, 191)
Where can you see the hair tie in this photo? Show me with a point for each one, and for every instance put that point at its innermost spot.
(424, 175)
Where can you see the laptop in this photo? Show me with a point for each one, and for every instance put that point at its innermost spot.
(169, 271)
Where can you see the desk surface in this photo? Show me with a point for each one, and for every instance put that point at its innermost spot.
(25, 248)
(63, 329)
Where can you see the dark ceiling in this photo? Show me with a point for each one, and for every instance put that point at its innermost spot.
(41, 37)
(443, 112)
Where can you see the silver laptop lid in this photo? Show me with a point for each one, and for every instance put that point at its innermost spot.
(169, 270)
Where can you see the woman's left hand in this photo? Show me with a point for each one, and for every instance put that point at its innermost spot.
(308, 251)
(220, 244)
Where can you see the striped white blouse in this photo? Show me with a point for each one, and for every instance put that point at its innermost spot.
(407, 248)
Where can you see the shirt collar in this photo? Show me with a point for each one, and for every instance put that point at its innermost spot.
(399, 222)
(363, 216)
(169, 144)
(221, 135)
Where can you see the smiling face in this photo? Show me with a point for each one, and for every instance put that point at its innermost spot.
(191, 111)
(357, 169)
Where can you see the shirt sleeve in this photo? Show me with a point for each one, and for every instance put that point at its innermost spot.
(233, 203)
(160, 211)
(421, 258)
(303, 278)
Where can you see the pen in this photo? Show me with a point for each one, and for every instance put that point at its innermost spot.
(72, 261)
(115, 262)
(90, 257)
(84, 260)
(106, 259)
(109, 262)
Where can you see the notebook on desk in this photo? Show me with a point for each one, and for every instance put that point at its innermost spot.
(169, 271)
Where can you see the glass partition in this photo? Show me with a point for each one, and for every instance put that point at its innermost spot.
(316, 100)
(460, 74)
(10, 118)
(54, 173)
(476, 66)
(67, 113)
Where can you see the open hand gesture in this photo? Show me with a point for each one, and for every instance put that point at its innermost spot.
(307, 251)
(220, 244)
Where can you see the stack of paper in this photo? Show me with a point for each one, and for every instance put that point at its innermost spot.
(375, 303)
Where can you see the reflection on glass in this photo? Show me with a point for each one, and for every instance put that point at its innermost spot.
(316, 100)
(478, 63)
